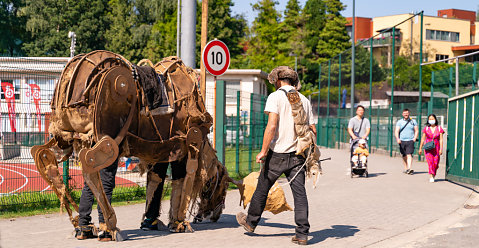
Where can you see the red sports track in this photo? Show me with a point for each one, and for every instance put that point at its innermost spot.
(19, 177)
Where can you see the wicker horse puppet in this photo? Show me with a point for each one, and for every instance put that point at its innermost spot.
(102, 111)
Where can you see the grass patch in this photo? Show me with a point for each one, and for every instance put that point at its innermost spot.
(34, 203)
(246, 158)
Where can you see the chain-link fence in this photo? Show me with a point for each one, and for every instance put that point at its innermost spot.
(388, 78)
(245, 125)
(27, 86)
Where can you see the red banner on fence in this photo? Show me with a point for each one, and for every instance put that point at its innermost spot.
(9, 92)
(36, 99)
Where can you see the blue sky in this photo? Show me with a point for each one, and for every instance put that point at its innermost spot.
(372, 8)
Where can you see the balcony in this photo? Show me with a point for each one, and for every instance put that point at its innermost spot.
(379, 42)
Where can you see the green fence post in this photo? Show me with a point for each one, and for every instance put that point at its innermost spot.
(220, 120)
(338, 123)
(431, 98)
(65, 172)
(318, 136)
(238, 124)
(263, 121)
(420, 81)
(327, 111)
(370, 85)
(377, 130)
(250, 150)
(474, 80)
(450, 81)
(392, 94)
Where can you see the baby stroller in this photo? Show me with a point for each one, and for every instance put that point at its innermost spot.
(361, 169)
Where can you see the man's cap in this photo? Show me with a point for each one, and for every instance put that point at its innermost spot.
(284, 72)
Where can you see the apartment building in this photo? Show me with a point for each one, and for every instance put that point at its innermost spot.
(451, 33)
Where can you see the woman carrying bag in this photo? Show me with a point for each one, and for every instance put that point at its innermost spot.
(432, 141)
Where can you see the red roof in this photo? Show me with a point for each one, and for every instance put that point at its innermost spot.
(464, 48)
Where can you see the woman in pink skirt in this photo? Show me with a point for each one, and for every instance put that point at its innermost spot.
(432, 132)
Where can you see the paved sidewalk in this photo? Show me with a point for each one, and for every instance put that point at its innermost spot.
(388, 209)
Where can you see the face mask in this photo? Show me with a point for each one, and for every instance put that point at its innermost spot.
(432, 122)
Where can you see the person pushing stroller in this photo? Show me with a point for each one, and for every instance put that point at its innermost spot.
(361, 153)
(358, 128)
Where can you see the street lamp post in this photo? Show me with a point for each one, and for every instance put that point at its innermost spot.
(352, 61)
(73, 36)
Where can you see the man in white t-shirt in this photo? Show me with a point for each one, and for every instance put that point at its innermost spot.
(278, 155)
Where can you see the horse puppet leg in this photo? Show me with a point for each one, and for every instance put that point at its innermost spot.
(100, 156)
(194, 139)
(47, 166)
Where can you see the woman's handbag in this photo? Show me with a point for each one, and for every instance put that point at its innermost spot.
(429, 146)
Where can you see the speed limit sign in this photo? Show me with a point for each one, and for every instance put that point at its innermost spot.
(216, 57)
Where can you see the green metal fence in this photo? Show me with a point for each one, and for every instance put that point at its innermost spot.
(375, 75)
(463, 139)
(24, 122)
(244, 132)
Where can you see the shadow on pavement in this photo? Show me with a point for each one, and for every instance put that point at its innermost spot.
(275, 225)
(420, 172)
(138, 234)
(337, 232)
(464, 185)
(376, 174)
(225, 221)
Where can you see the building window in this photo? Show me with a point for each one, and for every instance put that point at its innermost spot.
(47, 87)
(16, 86)
(442, 35)
(425, 57)
(441, 57)
(231, 88)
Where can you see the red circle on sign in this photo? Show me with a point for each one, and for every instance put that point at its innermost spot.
(9, 92)
(205, 60)
(36, 95)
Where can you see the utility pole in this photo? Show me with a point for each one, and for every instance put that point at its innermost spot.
(178, 29)
(204, 39)
(353, 55)
(188, 32)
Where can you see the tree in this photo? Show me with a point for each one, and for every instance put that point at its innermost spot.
(292, 35)
(263, 48)
(143, 29)
(49, 21)
(314, 14)
(314, 17)
(118, 36)
(334, 37)
(12, 28)
(222, 25)
(47, 26)
(88, 19)
(162, 42)
(407, 74)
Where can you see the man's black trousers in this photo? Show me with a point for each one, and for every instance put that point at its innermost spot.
(107, 176)
(178, 171)
(275, 165)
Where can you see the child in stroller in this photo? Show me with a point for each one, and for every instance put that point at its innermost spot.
(359, 157)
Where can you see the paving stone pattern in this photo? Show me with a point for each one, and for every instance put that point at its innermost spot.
(343, 212)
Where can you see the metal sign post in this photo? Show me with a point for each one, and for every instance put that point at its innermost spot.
(216, 60)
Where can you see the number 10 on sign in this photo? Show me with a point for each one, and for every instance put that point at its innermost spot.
(216, 57)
